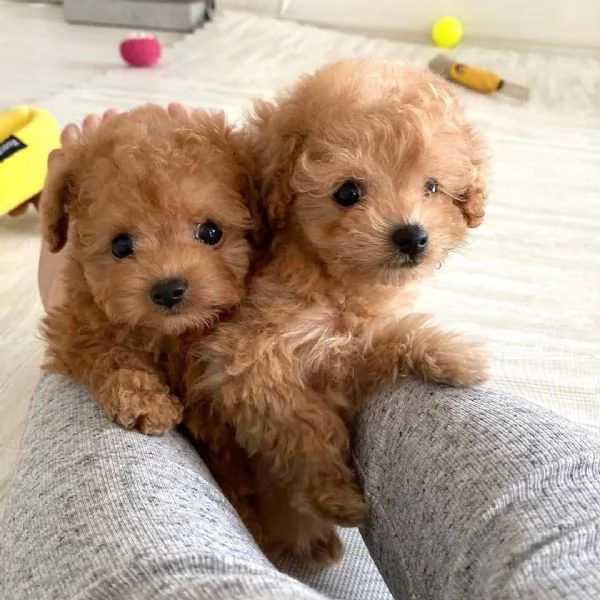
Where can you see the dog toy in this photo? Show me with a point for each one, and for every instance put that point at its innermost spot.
(447, 32)
(141, 50)
(475, 78)
(27, 136)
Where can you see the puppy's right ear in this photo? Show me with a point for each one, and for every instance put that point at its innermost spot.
(59, 192)
(472, 202)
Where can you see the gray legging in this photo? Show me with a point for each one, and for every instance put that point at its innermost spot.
(475, 495)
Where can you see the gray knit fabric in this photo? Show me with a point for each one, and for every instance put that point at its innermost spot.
(97, 512)
(474, 496)
(479, 496)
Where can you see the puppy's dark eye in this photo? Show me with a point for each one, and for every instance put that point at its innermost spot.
(208, 233)
(431, 187)
(348, 194)
(122, 245)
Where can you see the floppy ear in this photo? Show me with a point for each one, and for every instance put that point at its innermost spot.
(472, 201)
(248, 185)
(261, 233)
(277, 136)
(59, 192)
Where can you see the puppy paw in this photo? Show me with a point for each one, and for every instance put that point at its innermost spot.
(152, 413)
(138, 400)
(340, 502)
(316, 544)
(326, 549)
(449, 358)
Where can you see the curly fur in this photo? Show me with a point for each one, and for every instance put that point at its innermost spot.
(154, 177)
(329, 314)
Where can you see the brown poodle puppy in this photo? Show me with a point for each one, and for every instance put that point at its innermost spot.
(370, 176)
(157, 227)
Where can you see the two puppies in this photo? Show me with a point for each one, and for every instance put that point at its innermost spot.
(368, 176)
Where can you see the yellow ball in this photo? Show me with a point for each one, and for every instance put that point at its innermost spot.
(447, 32)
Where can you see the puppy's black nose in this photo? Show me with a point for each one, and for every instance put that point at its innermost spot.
(169, 292)
(410, 240)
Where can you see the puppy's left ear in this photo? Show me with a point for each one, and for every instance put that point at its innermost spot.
(277, 132)
(249, 186)
(58, 196)
(472, 201)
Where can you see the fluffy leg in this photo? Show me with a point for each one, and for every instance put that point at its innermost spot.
(135, 396)
(125, 382)
(287, 530)
(415, 345)
(304, 444)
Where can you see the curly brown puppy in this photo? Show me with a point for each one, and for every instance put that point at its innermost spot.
(370, 176)
(154, 211)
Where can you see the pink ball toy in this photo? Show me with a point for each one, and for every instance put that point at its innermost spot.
(140, 50)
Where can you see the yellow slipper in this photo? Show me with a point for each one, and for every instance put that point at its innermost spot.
(27, 136)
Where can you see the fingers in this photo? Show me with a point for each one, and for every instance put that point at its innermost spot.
(111, 112)
(53, 157)
(72, 132)
(176, 109)
(90, 123)
(179, 110)
(69, 135)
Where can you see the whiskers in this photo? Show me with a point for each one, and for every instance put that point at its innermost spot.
(459, 249)
(454, 197)
(398, 274)
(179, 323)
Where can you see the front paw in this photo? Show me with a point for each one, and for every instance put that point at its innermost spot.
(313, 543)
(338, 501)
(138, 400)
(326, 549)
(449, 358)
(151, 412)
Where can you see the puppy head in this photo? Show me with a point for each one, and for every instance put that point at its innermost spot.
(374, 166)
(157, 218)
